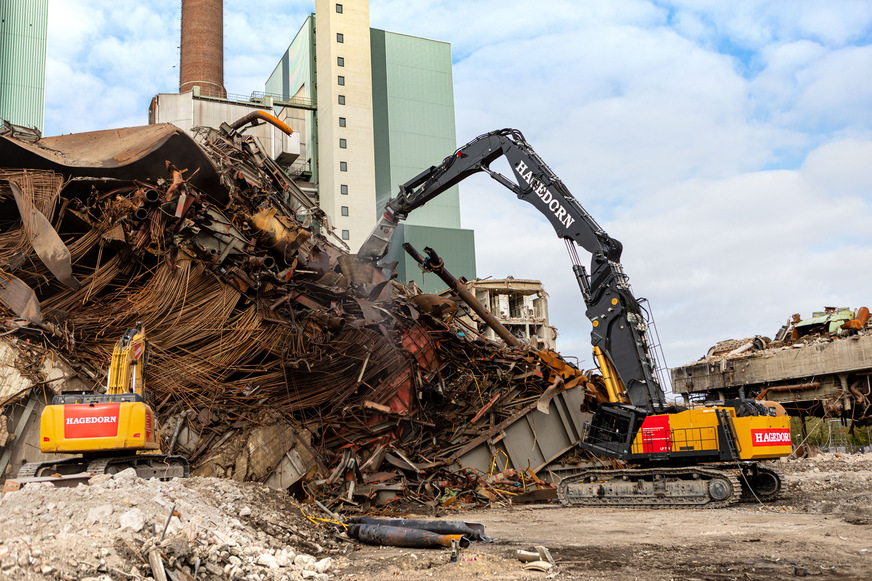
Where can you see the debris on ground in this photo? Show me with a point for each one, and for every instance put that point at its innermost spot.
(121, 527)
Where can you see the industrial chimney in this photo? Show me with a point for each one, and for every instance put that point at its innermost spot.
(202, 47)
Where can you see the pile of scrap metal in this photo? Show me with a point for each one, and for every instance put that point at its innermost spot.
(275, 355)
(819, 366)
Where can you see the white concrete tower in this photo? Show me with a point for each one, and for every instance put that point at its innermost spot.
(346, 159)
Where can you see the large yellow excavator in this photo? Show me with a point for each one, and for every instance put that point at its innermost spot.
(111, 431)
(708, 456)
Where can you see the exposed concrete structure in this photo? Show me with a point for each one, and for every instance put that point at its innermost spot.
(813, 367)
(202, 47)
(520, 305)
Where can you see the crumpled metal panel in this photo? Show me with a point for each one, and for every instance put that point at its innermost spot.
(126, 153)
(46, 243)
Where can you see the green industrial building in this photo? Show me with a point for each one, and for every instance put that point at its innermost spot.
(23, 30)
(385, 113)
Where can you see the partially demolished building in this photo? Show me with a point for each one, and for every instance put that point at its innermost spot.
(275, 355)
(520, 305)
(818, 366)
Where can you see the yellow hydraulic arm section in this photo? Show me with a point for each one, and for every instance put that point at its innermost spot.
(128, 363)
(614, 386)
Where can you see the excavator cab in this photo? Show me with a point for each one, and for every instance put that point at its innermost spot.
(611, 431)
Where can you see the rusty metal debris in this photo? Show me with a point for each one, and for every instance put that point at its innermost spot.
(276, 356)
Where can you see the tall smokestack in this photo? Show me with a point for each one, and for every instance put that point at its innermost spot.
(202, 47)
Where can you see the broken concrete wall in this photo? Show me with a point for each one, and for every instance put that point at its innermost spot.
(819, 366)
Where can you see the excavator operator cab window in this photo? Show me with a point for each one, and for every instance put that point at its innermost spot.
(610, 427)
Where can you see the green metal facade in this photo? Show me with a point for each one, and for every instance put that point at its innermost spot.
(23, 29)
(413, 105)
(296, 71)
(413, 114)
(453, 245)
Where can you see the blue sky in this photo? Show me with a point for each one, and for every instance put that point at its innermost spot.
(728, 145)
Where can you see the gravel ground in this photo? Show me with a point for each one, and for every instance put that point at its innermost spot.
(222, 529)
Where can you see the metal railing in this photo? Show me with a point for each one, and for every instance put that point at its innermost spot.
(265, 99)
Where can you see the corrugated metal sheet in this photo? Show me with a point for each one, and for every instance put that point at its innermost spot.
(420, 103)
(23, 30)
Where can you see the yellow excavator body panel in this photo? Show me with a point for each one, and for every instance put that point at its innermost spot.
(695, 430)
(98, 427)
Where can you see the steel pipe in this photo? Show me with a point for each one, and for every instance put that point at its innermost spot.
(435, 265)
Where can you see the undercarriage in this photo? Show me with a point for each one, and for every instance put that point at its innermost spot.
(159, 466)
(687, 487)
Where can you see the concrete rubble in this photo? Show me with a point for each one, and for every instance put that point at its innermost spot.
(816, 366)
(276, 356)
(122, 527)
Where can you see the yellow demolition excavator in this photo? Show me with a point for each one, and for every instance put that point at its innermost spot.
(110, 431)
(708, 456)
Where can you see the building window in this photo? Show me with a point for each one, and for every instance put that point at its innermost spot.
(340, 61)
(343, 189)
(346, 234)
(341, 80)
(343, 144)
(344, 210)
(340, 37)
(342, 121)
(339, 8)
(342, 99)
(343, 166)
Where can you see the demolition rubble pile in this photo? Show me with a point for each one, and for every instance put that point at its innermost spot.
(276, 356)
(815, 366)
(125, 527)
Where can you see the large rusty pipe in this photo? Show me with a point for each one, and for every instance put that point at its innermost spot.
(403, 537)
(260, 115)
(797, 387)
(435, 265)
(474, 531)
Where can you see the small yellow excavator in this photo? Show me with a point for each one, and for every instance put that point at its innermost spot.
(112, 431)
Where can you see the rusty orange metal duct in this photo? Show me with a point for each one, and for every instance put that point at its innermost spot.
(255, 116)
(796, 387)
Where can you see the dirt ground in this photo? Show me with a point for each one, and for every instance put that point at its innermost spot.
(822, 527)
(221, 529)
